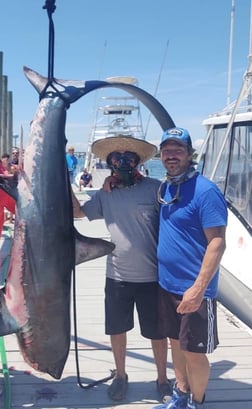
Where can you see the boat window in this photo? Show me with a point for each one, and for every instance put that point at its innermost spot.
(211, 155)
(233, 173)
(239, 181)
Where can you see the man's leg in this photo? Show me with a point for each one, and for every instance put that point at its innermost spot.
(118, 388)
(160, 348)
(160, 352)
(118, 344)
(179, 365)
(198, 370)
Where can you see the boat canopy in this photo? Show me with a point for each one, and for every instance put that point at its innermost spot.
(219, 119)
(118, 109)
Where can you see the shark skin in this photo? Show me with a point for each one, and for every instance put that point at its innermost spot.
(35, 303)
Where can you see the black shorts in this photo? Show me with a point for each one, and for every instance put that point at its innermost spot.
(196, 331)
(120, 299)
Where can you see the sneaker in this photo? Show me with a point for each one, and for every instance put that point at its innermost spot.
(178, 400)
(117, 389)
(165, 390)
(192, 404)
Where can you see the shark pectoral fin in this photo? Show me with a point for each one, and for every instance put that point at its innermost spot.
(89, 248)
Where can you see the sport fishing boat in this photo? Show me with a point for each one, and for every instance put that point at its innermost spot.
(116, 114)
(226, 158)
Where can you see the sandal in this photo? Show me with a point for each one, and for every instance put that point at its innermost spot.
(118, 388)
(165, 390)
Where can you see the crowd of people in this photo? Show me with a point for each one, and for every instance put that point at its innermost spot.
(9, 166)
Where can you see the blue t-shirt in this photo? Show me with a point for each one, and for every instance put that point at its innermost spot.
(71, 162)
(182, 242)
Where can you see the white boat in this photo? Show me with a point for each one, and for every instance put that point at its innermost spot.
(226, 158)
(116, 114)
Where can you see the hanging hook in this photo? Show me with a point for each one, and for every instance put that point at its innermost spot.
(50, 6)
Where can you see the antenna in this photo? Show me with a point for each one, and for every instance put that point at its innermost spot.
(230, 58)
(250, 53)
(250, 36)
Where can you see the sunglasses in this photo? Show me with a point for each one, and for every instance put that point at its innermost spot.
(118, 156)
(161, 191)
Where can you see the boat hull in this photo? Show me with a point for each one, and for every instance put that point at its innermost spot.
(235, 296)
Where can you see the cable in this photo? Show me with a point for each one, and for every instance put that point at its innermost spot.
(112, 371)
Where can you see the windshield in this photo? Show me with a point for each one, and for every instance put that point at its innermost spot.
(234, 171)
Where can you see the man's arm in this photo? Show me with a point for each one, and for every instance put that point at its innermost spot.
(77, 211)
(193, 297)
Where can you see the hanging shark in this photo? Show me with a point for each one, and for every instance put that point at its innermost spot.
(35, 303)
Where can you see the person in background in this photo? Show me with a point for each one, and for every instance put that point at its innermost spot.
(99, 164)
(14, 161)
(85, 179)
(72, 162)
(6, 201)
(4, 164)
(193, 219)
(131, 214)
(11, 171)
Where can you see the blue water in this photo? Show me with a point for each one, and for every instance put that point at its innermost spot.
(156, 169)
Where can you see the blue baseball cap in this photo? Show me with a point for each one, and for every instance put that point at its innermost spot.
(179, 135)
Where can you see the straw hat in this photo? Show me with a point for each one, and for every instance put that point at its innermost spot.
(103, 147)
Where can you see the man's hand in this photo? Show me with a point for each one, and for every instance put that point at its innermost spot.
(110, 182)
(191, 300)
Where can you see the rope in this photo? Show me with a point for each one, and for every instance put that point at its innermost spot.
(94, 383)
(50, 7)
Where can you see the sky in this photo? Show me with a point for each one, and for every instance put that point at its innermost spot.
(177, 49)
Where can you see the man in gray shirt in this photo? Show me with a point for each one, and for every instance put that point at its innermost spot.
(131, 214)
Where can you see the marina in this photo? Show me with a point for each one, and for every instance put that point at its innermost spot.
(230, 385)
(41, 264)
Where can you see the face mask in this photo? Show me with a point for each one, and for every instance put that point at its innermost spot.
(123, 164)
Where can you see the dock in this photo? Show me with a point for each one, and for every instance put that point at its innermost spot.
(230, 385)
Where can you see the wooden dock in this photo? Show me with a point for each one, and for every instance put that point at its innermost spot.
(230, 386)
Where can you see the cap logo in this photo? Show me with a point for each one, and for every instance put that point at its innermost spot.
(175, 132)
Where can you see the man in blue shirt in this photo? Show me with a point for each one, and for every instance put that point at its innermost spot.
(72, 162)
(193, 218)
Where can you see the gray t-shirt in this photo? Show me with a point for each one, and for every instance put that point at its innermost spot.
(131, 215)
